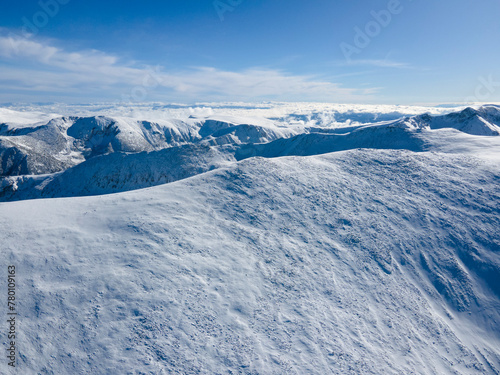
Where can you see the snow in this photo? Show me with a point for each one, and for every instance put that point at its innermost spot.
(356, 262)
(362, 249)
(66, 146)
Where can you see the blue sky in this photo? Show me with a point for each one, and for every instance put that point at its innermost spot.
(365, 51)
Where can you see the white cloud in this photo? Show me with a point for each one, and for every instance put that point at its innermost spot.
(378, 63)
(40, 67)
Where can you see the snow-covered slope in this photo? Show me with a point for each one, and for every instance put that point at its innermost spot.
(481, 121)
(346, 248)
(101, 154)
(417, 133)
(116, 172)
(355, 262)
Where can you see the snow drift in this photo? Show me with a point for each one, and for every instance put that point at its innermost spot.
(365, 261)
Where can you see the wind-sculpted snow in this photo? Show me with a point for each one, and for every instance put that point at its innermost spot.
(356, 262)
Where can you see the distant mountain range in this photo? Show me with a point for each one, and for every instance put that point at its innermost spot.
(73, 156)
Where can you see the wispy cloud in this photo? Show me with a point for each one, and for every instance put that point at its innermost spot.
(37, 66)
(377, 63)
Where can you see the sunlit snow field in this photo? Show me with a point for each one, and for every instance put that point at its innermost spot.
(262, 238)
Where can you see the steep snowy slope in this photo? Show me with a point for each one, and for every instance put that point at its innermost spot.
(220, 130)
(119, 172)
(68, 141)
(481, 121)
(100, 135)
(357, 262)
(63, 142)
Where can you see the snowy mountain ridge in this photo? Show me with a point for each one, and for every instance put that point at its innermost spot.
(290, 245)
(47, 160)
(71, 140)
